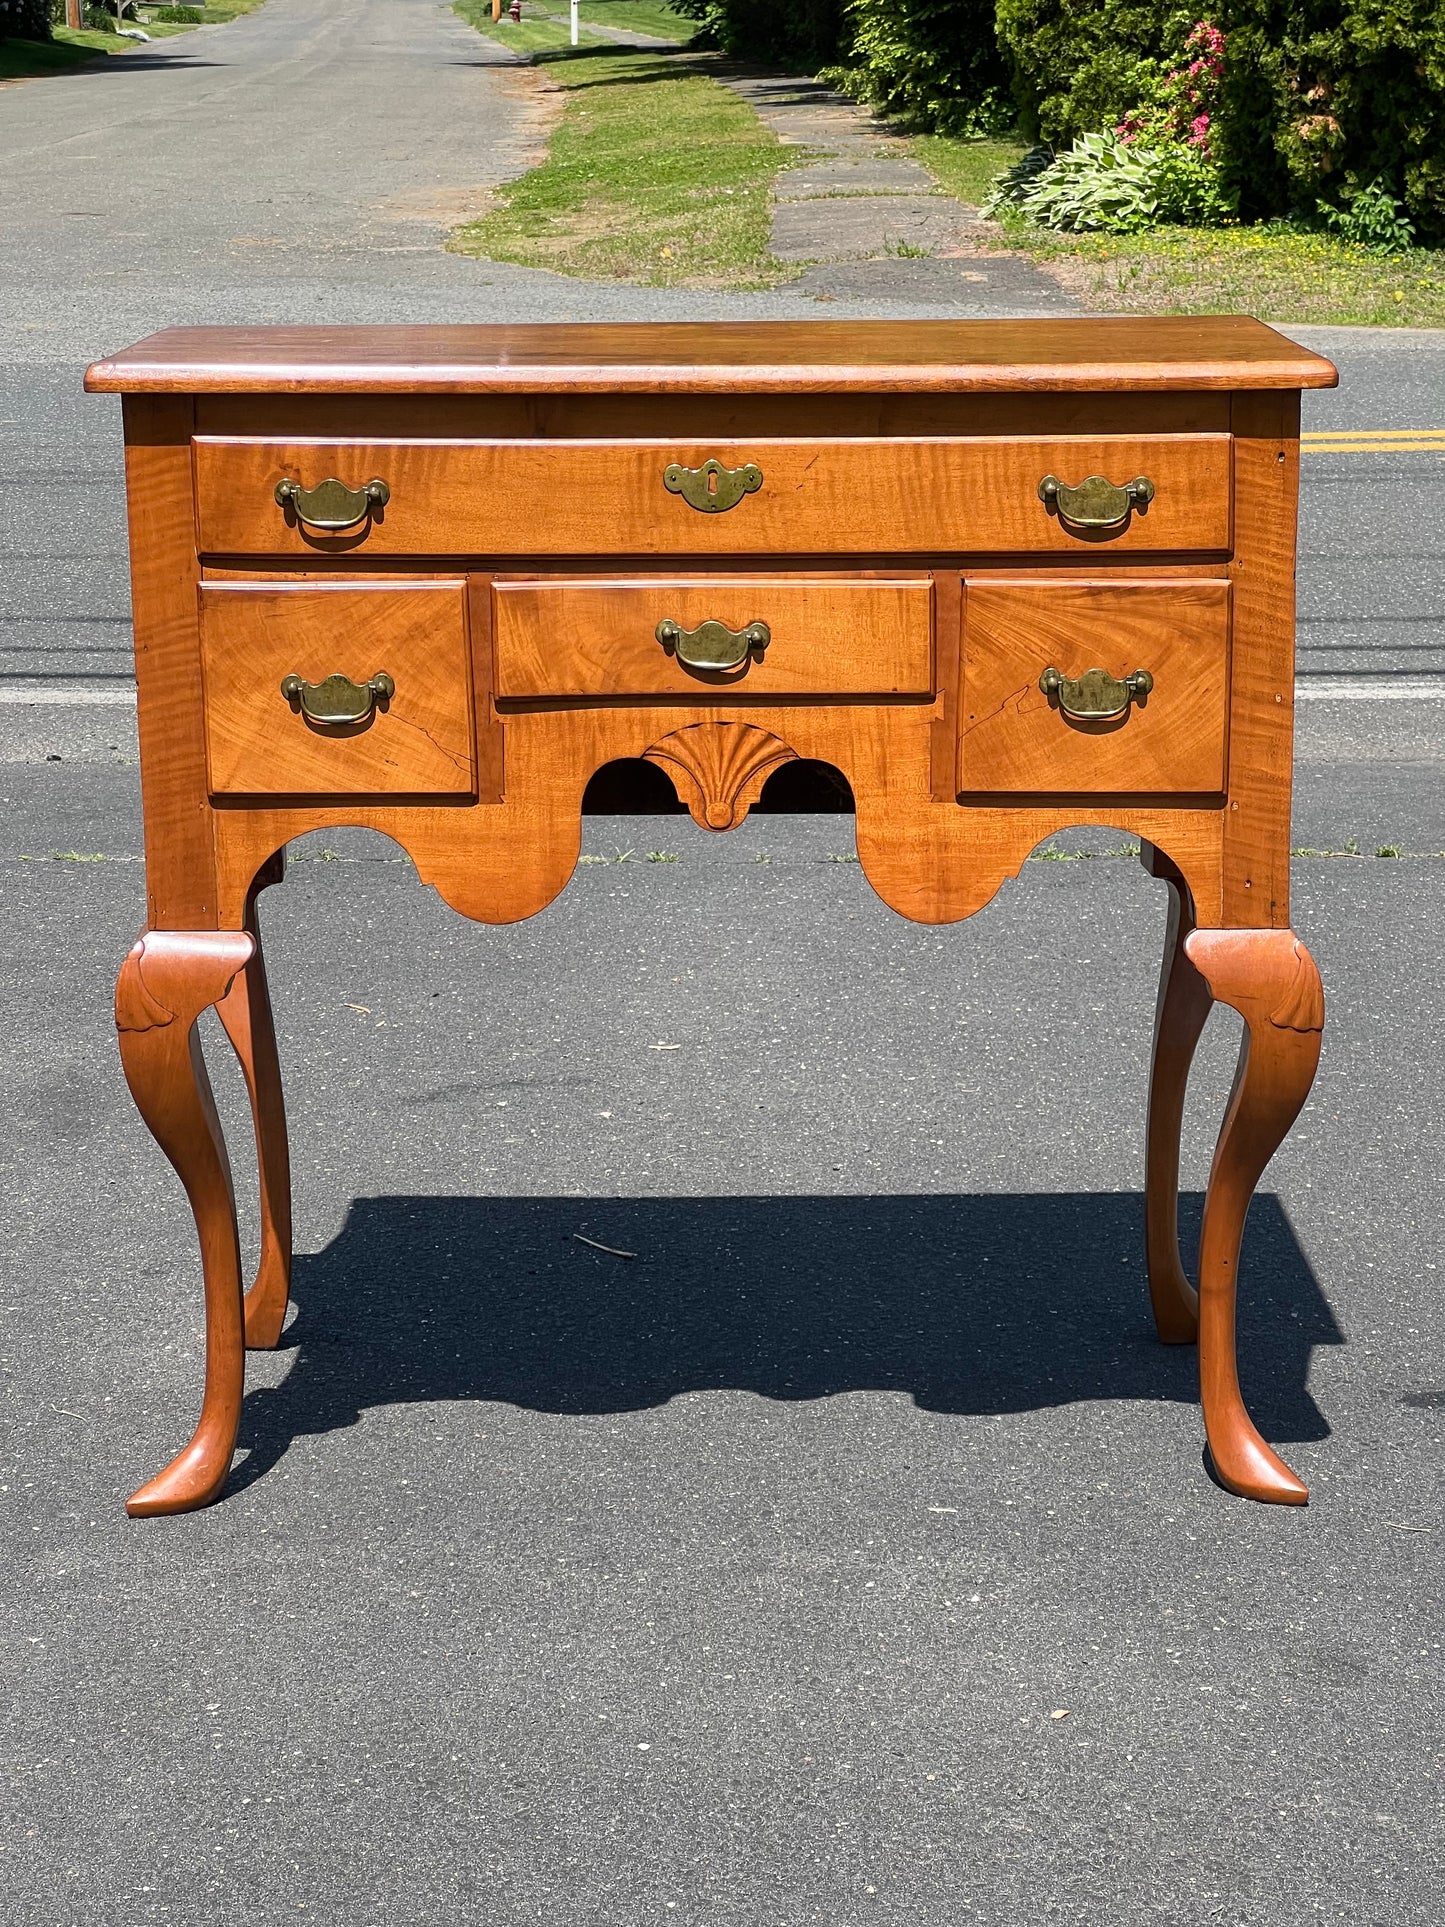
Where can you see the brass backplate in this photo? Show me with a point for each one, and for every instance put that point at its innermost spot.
(712, 488)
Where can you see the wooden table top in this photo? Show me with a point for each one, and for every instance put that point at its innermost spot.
(1172, 352)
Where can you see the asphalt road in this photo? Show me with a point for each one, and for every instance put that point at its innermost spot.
(738, 1582)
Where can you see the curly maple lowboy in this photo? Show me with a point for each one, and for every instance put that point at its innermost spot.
(1001, 577)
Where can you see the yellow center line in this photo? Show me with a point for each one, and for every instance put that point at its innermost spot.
(1365, 434)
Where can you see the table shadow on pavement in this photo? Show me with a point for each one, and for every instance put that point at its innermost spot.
(979, 1304)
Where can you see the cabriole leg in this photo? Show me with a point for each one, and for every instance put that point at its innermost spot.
(165, 983)
(1270, 979)
(245, 1013)
(1179, 1017)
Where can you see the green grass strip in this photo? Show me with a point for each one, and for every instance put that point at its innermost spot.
(1273, 270)
(656, 174)
(75, 47)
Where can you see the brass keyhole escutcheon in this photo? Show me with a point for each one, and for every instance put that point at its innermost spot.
(712, 489)
(1096, 696)
(712, 648)
(338, 702)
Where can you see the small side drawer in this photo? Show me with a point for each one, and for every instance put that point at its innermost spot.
(1018, 738)
(260, 742)
(824, 637)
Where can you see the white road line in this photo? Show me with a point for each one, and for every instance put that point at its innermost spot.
(1366, 689)
(62, 695)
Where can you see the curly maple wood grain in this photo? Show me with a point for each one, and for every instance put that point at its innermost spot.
(1270, 979)
(545, 498)
(245, 1014)
(168, 979)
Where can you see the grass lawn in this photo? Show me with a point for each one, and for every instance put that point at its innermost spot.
(656, 174)
(529, 35)
(637, 16)
(1275, 272)
(546, 25)
(71, 48)
(966, 168)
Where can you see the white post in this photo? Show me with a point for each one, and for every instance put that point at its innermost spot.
(574, 22)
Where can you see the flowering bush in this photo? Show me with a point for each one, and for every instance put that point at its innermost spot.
(1311, 97)
(1185, 99)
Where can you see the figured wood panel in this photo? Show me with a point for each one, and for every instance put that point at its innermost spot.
(1014, 740)
(591, 637)
(1119, 353)
(1261, 746)
(253, 636)
(976, 494)
(180, 859)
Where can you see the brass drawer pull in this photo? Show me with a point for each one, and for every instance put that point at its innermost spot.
(1097, 503)
(1096, 697)
(338, 703)
(712, 488)
(712, 645)
(331, 505)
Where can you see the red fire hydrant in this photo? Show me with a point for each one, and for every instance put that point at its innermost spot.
(516, 9)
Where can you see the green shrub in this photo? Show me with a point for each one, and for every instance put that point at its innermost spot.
(1372, 218)
(807, 32)
(179, 16)
(25, 20)
(936, 62)
(1315, 97)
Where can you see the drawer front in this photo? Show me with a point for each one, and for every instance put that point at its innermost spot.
(259, 742)
(1016, 737)
(773, 638)
(805, 497)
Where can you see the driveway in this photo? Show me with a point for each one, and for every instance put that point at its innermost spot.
(844, 1555)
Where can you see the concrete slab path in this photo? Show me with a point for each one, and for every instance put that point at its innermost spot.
(875, 225)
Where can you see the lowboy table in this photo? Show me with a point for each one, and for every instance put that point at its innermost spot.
(1002, 577)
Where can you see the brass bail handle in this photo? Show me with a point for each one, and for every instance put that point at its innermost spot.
(1096, 696)
(712, 646)
(331, 505)
(1097, 503)
(338, 702)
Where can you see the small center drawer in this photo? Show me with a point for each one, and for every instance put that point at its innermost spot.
(981, 494)
(344, 689)
(1043, 659)
(714, 638)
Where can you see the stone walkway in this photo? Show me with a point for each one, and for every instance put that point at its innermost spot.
(872, 222)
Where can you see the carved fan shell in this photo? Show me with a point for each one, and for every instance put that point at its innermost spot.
(719, 769)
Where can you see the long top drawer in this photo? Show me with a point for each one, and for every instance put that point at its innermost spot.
(947, 495)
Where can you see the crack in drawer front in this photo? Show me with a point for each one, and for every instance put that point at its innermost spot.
(958, 494)
(782, 637)
(1022, 733)
(377, 697)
